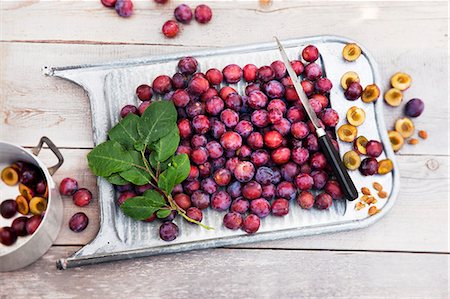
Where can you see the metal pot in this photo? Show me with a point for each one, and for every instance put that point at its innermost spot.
(28, 249)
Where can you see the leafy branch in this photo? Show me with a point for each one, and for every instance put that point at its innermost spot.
(141, 150)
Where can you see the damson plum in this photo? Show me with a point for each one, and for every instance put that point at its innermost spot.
(203, 14)
(232, 73)
(244, 128)
(214, 105)
(260, 207)
(299, 130)
(310, 53)
(329, 117)
(183, 14)
(244, 152)
(298, 67)
(185, 128)
(279, 69)
(199, 155)
(313, 72)
(275, 115)
(195, 214)
(205, 170)
(333, 188)
(143, 106)
(124, 196)
(193, 173)
(353, 91)
(229, 117)
(231, 140)
(308, 87)
(374, 148)
(168, 231)
(33, 224)
(274, 89)
(320, 178)
(222, 177)
(323, 201)
(286, 190)
(290, 94)
(127, 109)
(414, 107)
(170, 28)
(179, 81)
(280, 207)
(217, 128)
(244, 171)
(257, 99)
(234, 101)
(300, 155)
(232, 220)
(208, 94)
(281, 155)
(124, 8)
(10, 176)
(144, 92)
(78, 222)
(225, 91)
(283, 126)
(269, 191)
(273, 139)
(240, 205)
(252, 190)
(162, 84)
(348, 78)
(180, 98)
(249, 72)
(82, 197)
(323, 85)
(304, 181)
(232, 163)
(8, 208)
(264, 175)
(68, 186)
(321, 98)
(260, 118)
(311, 143)
(265, 74)
(208, 185)
(198, 85)
(318, 160)
(260, 157)
(234, 189)
(19, 226)
(305, 200)
(369, 166)
(200, 199)
(220, 201)
(198, 140)
(251, 224)
(295, 114)
(277, 104)
(7, 236)
(190, 187)
(351, 52)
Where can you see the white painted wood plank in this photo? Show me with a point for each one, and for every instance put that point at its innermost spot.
(418, 221)
(227, 273)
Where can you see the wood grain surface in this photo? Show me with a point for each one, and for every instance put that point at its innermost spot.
(404, 255)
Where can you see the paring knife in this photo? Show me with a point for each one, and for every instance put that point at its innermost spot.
(324, 141)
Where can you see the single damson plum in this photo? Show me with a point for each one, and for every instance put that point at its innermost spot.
(143, 106)
(208, 94)
(304, 181)
(369, 166)
(374, 148)
(170, 28)
(229, 117)
(275, 115)
(252, 190)
(82, 197)
(289, 171)
(320, 178)
(255, 140)
(277, 104)
(124, 196)
(232, 163)
(217, 128)
(198, 140)
(311, 143)
(168, 231)
(313, 72)
(249, 72)
(299, 130)
(193, 173)
(8, 208)
(19, 226)
(198, 86)
(240, 205)
(316, 105)
(203, 14)
(7, 236)
(260, 207)
(231, 140)
(209, 185)
(257, 99)
(183, 13)
(185, 128)
(260, 157)
(127, 109)
(190, 187)
(274, 89)
(214, 149)
(318, 160)
(305, 200)
(310, 53)
(234, 189)
(218, 163)
(201, 124)
(260, 118)
(195, 214)
(251, 224)
(323, 85)
(244, 128)
(214, 76)
(353, 91)
(232, 73)
(244, 171)
(300, 155)
(214, 105)
(162, 84)
(286, 190)
(269, 191)
(144, 92)
(298, 66)
(222, 177)
(199, 155)
(273, 139)
(234, 101)
(414, 107)
(329, 117)
(183, 201)
(220, 201)
(333, 188)
(68, 186)
(232, 220)
(33, 224)
(281, 155)
(323, 201)
(200, 199)
(264, 175)
(205, 169)
(280, 207)
(295, 114)
(78, 222)
(181, 98)
(265, 73)
(124, 8)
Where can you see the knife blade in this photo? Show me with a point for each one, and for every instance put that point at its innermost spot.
(324, 140)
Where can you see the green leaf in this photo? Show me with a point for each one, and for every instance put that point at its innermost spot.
(166, 146)
(125, 132)
(136, 175)
(109, 157)
(177, 172)
(142, 207)
(116, 179)
(163, 213)
(139, 146)
(154, 163)
(157, 121)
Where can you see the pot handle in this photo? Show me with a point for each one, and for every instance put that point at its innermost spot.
(54, 149)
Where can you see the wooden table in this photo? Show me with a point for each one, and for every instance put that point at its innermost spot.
(406, 254)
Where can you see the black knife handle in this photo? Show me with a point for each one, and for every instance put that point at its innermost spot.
(341, 173)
